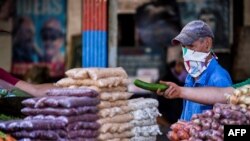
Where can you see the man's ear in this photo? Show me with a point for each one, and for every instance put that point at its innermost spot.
(209, 43)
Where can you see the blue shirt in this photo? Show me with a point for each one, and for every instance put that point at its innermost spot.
(215, 76)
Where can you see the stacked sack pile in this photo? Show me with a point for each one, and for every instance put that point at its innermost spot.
(111, 83)
(145, 112)
(209, 125)
(119, 117)
(65, 114)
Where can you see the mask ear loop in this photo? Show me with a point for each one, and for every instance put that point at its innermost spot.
(213, 54)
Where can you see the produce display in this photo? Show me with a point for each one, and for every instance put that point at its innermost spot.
(92, 104)
(241, 84)
(6, 137)
(150, 86)
(209, 125)
(241, 96)
(119, 117)
(57, 116)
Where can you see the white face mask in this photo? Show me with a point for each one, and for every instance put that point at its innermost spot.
(195, 62)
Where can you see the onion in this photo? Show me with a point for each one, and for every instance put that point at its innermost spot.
(217, 110)
(197, 121)
(221, 128)
(215, 125)
(208, 113)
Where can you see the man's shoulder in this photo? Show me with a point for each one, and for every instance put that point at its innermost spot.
(220, 75)
(218, 69)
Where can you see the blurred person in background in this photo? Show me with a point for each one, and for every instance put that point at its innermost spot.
(216, 22)
(7, 81)
(25, 49)
(53, 40)
(156, 24)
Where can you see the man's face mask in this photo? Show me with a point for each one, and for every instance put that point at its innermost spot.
(195, 62)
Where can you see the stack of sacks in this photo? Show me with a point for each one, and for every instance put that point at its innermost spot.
(120, 119)
(65, 114)
(115, 115)
(111, 83)
(136, 121)
(99, 79)
(145, 112)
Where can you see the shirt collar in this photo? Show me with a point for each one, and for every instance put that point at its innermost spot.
(203, 77)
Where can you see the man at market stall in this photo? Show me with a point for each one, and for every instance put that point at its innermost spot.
(196, 39)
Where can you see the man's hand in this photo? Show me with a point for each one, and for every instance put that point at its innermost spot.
(173, 91)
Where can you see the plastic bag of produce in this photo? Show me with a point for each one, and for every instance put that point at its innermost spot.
(17, 125)
(106, 136)
(60, 111)
(145, 122)
(141, 103)
(113, 111)
(143, 138)
(41, 134)
(103, 82)
(83, 133)
(113, 96)
(72, 92)
(116, 119)
(77, 73)
(83, 125)
(68, 119)
(97, 73)
(146, 113)
(152, 130)
(115, 127)
(61, 101)
(108, 104)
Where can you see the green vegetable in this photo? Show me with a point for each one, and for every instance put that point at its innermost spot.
(15, 92)
(237, 85)
(19, 93)
(4, 117)
(3, 92)
(150, 86)
(2, 135)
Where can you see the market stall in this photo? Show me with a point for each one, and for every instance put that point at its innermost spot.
(209, 125)
(89, 104)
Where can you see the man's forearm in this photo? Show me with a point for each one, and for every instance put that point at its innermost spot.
(206, 95)
(36, 90)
